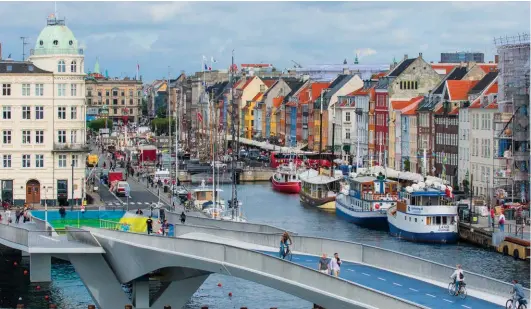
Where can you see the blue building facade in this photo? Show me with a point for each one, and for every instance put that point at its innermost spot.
(405, 142)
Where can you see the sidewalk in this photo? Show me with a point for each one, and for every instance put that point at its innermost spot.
(511, 228)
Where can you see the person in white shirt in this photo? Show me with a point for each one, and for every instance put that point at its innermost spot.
(501, 222)
(458, 276)
(335, 265)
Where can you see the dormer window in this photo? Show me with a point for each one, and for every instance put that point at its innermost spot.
(55, 42)
(70, 42)
(73, 66)
(61, 67)
(41, 43)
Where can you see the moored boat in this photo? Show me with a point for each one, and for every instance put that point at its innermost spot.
(425, 212)
(367, 200)
(286, 179)
(318, 190)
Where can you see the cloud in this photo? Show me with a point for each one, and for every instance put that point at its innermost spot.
(158, 34)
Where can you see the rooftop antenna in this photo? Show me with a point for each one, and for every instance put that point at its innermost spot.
(55, 8)
(24, 43)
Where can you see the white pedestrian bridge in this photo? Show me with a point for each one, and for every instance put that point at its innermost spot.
(370, 277)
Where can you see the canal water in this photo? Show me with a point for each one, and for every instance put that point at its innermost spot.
(262, 205)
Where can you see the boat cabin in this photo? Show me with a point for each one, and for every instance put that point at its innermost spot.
(431, 206)
(373, 188)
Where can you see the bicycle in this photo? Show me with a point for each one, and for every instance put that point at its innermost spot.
(509, 303)
(462, 289)
(287, 254)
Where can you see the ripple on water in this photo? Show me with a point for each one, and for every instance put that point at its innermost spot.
(263, 205)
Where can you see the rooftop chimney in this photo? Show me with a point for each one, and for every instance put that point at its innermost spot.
(405, 57)
(495, 58)
(420, 55)
(346, 71)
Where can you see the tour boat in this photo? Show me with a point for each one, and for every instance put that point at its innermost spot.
(425, 212)
(318, 190)
(367, 200)
(286, 179)
(203, 199)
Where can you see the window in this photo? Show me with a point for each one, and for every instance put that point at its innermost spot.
(62, 160)
(26, 90)
(115, 92)
(61, 112)
(130, 92)
(26, 160)
(26, 137)
(39, 112)
(115, 111)
(39, 160)
(347, 116)
(6, 136)
(73, 90)
(26, 112)
(39, 90)
(61, 90)
(6, 112)
(61, 136)
(123, 101)
(73, 66)
(99, 94)
(106, 101)
(89, 93)
(130, 101)
(39, 137)
(73, 137)
(6, 89)
(74, 160)
(89, 101)
(107, 93)
(7, 161)
(61, 66)
(347, 134)
(114, 101)
(73, 112)
(123, 93)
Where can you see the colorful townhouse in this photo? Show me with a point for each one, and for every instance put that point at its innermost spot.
(244, 91)
(485, 164)
(399, 150)
(341, 86)
(407, 135)
(260, 110)
(316, 89)
(412, 78)
(271, 105)
(291, 103)
(447, 128)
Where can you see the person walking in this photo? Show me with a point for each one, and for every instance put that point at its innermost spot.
(323, 265)
(149, 224)
(183, 217)
(335, 265)
(17, 215)
(62, 213)
(492, 216)
(501, 222)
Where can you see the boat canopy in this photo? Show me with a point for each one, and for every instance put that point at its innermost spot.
(312, 176)
(392, 173)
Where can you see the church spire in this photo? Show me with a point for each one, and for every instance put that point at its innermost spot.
(97, 66)
(356, 60)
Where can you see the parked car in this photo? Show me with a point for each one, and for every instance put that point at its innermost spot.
(122, 188)
(218, 164)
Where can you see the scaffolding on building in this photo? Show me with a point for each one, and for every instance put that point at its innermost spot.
(512, 121)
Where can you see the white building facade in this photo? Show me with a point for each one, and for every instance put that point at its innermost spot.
(43, 121)
(463, 163)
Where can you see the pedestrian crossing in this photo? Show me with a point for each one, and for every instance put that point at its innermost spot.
(110, 204)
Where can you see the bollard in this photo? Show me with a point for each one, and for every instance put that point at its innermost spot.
(91, 307)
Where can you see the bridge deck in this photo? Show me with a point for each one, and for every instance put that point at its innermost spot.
(29, 237)
(430, 294)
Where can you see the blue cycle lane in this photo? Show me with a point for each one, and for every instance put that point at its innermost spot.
(404, 287)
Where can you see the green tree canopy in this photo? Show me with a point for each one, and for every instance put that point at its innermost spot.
(160, 125)
(98, 124)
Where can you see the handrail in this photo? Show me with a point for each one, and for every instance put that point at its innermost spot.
(249, 261)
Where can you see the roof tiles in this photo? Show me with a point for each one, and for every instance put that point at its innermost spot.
(458, 89)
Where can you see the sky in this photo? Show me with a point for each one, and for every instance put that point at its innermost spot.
(171, 37)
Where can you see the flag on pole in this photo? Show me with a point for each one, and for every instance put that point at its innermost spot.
(199, 117)
(206, 67)
(137, 70)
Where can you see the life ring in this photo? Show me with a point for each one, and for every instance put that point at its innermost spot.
(376, 206)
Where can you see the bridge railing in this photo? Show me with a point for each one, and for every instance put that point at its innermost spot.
(359, 253)
(14, 234)
(248, 264)
(82, 236)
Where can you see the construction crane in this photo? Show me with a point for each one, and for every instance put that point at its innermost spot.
(297, 65)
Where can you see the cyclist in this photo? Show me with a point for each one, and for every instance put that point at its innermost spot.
(518, 293)
(458, 276)
(285, 242)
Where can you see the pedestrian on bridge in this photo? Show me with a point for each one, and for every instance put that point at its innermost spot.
(149, 224)
(324, 264)
(335, 265)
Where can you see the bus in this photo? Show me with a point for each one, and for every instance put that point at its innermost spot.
(310, 159)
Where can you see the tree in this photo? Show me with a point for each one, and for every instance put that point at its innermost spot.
(407, 165)
(144, 107)
(160, 125)
(161, 112)
(98, 124)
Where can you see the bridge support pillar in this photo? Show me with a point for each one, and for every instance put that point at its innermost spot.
(40, 267)
(100, 280)
(177, 293)
(141, 293)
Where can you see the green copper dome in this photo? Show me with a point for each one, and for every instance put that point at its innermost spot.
(56, 39)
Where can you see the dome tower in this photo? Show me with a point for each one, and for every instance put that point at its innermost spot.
(57, 49)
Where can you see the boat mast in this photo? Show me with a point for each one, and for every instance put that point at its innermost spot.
(233, 111)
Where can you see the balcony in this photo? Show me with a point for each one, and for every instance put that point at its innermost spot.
(57, 147)
(56, 51)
